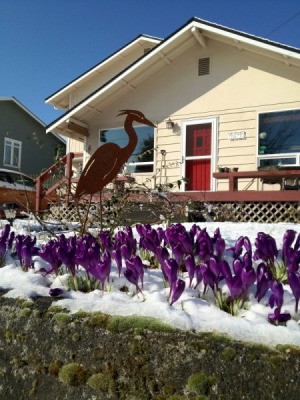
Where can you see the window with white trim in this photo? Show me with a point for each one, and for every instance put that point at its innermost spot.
(12, 153)
(142, 159)
(279, 138)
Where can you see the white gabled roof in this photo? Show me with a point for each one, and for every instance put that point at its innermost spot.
(142, 40)
(167, 50)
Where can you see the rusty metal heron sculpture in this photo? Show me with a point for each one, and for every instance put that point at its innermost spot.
(108, 159)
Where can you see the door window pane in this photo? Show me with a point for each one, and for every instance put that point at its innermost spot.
(198, 140)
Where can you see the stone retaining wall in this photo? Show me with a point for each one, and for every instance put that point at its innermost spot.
(48, 354)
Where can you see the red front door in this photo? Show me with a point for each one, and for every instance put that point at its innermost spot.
(198, 157)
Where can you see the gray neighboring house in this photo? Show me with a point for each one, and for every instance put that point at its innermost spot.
(24, 144)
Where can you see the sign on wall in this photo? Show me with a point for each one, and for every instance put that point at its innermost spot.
(237, 135)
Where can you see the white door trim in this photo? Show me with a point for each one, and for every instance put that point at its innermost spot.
(214, 149)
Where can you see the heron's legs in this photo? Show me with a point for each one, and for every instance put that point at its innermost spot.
(86, 216)
(101, 209)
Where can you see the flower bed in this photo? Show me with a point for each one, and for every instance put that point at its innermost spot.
(180, 271)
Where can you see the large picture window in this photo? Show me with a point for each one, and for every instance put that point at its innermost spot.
(279, 138)
(142, 159)
(12, 153)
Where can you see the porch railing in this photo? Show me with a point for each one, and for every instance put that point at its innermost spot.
(66, 163)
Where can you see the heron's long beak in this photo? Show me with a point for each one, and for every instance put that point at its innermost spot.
(148, 122)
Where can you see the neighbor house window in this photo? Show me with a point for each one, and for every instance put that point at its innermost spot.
(142, 159)
(12, 153)
(279, 138)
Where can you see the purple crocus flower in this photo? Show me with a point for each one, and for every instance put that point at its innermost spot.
(266, 249)
(162, 254)
(105, 240)
(56, 292)
(117, 256)
(198, 275)
(25, 249)
(170, 270)
(209, 279)
(247, 245)
(66, 252)
(126, 251)
(178, 253)
(87, 251)
(220, 248)
(235, 286)
(26, 257)
(190, 266)
(101, 270)
(262, 281)
(148, 244)
(177, 290)
(248, 277)
(294, 282)
(225, 269)
(237, 266)
(292, 259)
(136, 263)
(237, 249)
(277, 317)
(132, 275)
(288, 239)
(186, 242)
(48, 253)
(277, 294)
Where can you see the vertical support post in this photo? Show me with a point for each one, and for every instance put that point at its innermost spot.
(69, 173)
(38, 194)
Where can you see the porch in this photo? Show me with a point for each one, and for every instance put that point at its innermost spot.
(244, 205)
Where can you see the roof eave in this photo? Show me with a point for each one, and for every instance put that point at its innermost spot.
(194, 22)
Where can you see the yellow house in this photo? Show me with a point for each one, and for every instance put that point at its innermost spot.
(218, 97)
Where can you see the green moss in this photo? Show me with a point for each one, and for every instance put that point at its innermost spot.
(287, 348)
(100, 382)
(276, 361)
(98, 319)
(55, 309)
(229, 353)
(122, 324)
(76, 337)
(72, 374)
(200, 383)
(37, 314)
(62, 318)
(27, 304)
(25, 312)
(81, 314)
(9, 335)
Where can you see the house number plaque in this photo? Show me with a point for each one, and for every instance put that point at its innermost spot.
(237, 135)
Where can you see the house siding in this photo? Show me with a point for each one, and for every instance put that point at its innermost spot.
(241, 85)
(38, 148)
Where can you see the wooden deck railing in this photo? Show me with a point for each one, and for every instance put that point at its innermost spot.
(233, 194)
(260, 195)
(64, 162)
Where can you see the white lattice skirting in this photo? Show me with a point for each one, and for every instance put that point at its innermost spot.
(268, 212)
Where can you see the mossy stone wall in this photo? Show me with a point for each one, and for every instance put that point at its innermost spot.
(48, 354)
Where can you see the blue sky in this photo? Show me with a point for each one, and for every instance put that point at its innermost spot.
(44, 44)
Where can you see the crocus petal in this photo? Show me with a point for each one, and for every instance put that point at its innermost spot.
(56, 292)
(177, 290)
